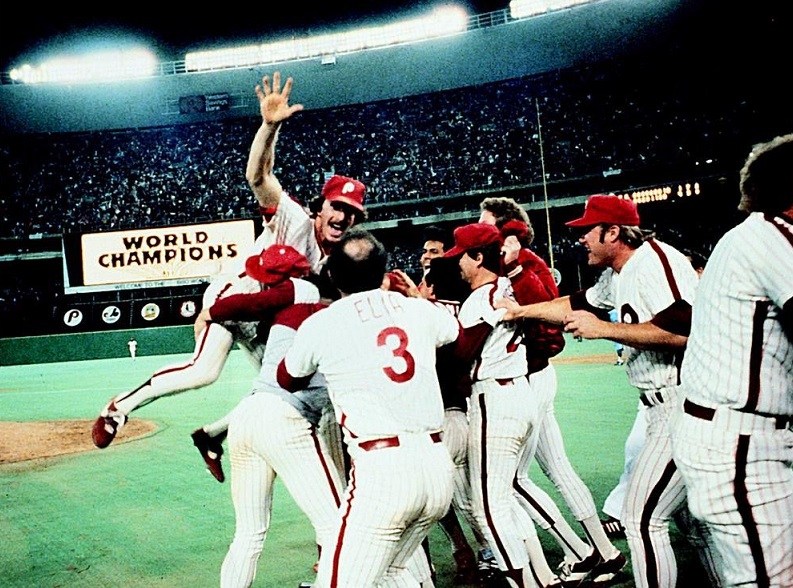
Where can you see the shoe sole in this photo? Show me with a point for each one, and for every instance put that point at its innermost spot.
(608, 570)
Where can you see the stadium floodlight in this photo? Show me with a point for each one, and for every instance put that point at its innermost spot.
(527, 8)
(101, 66)
(445, 20)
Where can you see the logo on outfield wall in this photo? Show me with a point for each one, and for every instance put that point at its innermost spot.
(73, 317)
(557, 276)
(111, 314)
(150, 312)
(187, 309)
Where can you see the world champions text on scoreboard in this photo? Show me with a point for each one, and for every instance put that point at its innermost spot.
(153, 257)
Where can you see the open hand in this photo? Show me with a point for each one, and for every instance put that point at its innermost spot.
(274, 100)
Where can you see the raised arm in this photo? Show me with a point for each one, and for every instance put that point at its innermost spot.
(274, 108)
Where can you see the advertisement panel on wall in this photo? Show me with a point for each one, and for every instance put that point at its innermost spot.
(154, 257)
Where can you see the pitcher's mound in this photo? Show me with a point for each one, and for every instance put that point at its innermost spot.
(33, 440)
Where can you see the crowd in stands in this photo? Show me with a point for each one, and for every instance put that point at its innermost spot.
(420, 155)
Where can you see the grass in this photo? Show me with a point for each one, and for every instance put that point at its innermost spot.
(147, 514)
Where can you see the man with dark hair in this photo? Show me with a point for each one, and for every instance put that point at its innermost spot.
(503, 412)
(597, 559)
(731, 437)
(436, 241)
(382, 382)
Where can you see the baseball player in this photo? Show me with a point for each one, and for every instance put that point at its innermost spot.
(132, 344)
(272, 432)
(731, 436)
(503, 413)
(543, 341)
(284, 222)
(652, 286)
(385, 393)
(442, 284)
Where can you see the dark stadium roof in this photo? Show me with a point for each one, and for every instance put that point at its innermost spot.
(174, 30)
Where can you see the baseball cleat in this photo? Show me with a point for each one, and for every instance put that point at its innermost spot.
(613, 528)
(487, 568)
(211, 450)
(573, 573)
(107, 426)
(605, 571)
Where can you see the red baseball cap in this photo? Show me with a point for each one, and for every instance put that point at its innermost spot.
(611, 210)
(276, 263)
(346, 190)
(516, 228)
(473, 236)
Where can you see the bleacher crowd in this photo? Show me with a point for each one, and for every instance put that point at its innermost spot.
(418, 155)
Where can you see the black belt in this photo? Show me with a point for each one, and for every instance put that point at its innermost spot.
(385, 442)
(707, 414)
(505, 381)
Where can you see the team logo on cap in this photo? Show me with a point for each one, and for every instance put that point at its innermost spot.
(347, 188)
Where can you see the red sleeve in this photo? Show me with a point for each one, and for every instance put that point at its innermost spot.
(253, 307)
(531, 278)
(470, 342)
(578, 301)
(454, 378)
(675, 319)
(288, 381)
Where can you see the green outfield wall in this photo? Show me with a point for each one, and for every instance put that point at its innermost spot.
(96, 345)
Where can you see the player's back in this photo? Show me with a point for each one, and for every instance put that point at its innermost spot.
(377, 351)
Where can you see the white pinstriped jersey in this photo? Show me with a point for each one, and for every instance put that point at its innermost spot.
(653, 278)
(289, 225)
(377, 351)
(737, 354)
(503, 354)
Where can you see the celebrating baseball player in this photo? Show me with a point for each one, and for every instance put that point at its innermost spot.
(273, 432)
(385, 392)
(652, 286)
(284, 222)
(731, 437)
(600, 561)
(442, 284)
(503, 412)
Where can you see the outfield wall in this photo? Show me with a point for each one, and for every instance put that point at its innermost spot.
(98, 345)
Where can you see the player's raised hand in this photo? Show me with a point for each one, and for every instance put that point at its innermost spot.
(399, 281)
(511, 249)
(274, 101)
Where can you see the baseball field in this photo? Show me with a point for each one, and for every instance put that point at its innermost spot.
(145, 513)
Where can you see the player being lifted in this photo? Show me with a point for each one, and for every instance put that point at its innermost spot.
(284, 222)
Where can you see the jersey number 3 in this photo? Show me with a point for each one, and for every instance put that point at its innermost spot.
(400, 351)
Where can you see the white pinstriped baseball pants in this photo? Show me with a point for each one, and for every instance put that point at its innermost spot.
(502, 421)
(655, 492)
(394, 496)
(738, 469)
(268, 437)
